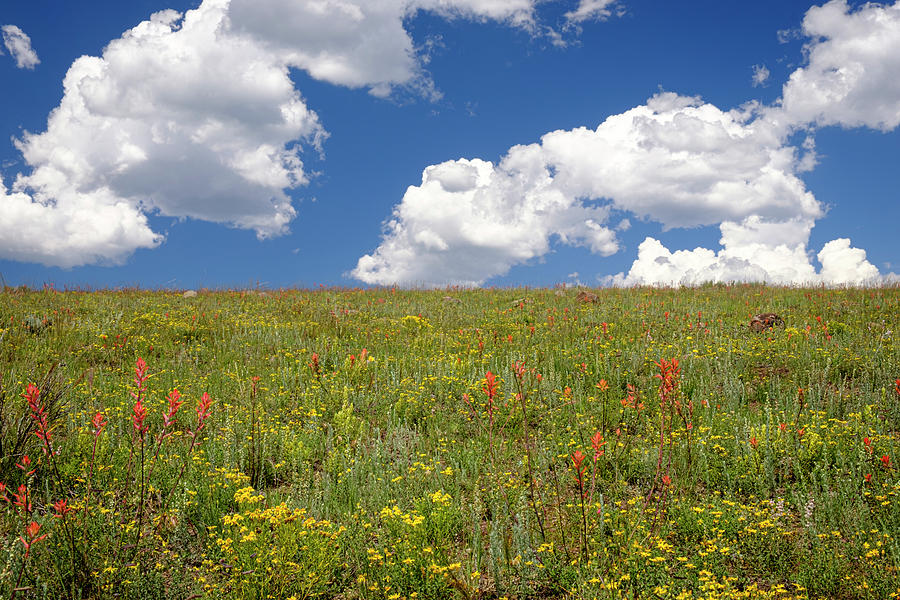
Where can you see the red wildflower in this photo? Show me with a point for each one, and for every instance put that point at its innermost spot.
(668, 376)
(99, 423)
(886, 461)
(21, 500)
(32, 395)
(597, 442)
(754, 442)
(31, 532)
(578, 458)
(577, 461)
(490, 386)
(602, 385)
(631, 398)
(25, 466)
(175, 401)
(518, 369)
(203, 411)
(140, 378)
(138, 417)
(61, 509)
(868, 477)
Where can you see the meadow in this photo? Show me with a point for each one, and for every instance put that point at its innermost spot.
(472, 444)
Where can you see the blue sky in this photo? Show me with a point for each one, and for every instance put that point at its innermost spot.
(284, 143)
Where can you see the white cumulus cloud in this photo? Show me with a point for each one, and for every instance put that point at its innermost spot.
(178, 116)
(677, 161)
(196, 116)
(752, 250)
(358, 43)
(470, 220)
(18, 44)
(853, 73)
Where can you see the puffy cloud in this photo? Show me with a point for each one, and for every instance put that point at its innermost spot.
(675, 160)
(196, 116)
(842, 264)
(178, 116)
(470, 220)
(682, 163)
(73, 230)
(753, 250)
(358, 43)
(851, 78)
(19, 45)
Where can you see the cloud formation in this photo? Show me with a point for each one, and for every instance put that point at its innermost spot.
(470, 220)
(358, 43)
(851, 78)
(180, 117)
(18, 44)
(196, 116)
(675, 160)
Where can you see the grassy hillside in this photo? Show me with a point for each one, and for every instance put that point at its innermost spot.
(515, 443)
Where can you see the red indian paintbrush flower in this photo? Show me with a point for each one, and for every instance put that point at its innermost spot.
(98, 423)
(175, 401)
(490, 385)
(25, 466)
(61, 508)
(202, 411)
(140, 378)
(668, 376)
(139, 414)
(597, 443)
(518, 369)
(43, 431)
(577, 461)
(21, 500)
(31, 533)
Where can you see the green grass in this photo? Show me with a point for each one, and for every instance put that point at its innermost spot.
(768, 469)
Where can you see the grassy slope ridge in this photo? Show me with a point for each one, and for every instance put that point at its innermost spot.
(357, 447)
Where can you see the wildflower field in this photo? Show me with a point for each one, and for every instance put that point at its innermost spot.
(389, 444)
